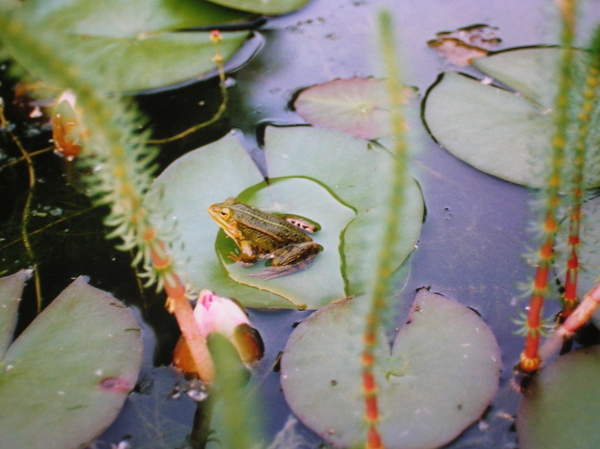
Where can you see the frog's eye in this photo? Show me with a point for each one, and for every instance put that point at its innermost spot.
(224, 213)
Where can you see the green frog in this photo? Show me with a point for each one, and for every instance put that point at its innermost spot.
(261, 235)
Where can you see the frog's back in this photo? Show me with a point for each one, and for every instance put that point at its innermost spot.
(269, 231)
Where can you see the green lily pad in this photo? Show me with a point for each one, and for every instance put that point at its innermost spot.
(438, 378)
(356, 173)
(68, 374)
(307, 199)
(270, 7)
(560, 407)
(504, 133)
(180, 198)
(323, 175)
(134, 45)
(11, 288)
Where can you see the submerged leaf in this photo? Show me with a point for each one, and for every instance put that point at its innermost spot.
(461, 47)
(561, 405)
(155, 418)
(68, 374)
(440, 376)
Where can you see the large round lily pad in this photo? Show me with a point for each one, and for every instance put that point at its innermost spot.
(503, 132)
(65, 378)
(561, 405)
(322, 175)
(438, 378)
(134, 45)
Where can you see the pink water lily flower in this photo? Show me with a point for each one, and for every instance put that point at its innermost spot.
(227, 317)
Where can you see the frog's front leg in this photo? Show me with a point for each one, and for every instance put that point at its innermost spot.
(290, 259)
(247, 255)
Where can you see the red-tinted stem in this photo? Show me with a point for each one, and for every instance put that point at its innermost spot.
(181, 308)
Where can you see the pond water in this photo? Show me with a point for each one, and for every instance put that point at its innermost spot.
(472, 241)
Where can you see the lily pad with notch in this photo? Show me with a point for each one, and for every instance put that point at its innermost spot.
(439, 376)
(504, 130)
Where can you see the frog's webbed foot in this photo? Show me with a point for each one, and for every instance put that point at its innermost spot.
(283, 270)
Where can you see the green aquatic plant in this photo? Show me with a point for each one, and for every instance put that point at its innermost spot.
(119, 167)
(575, 107)
(543, 137)
(119, 162)
(530, 360)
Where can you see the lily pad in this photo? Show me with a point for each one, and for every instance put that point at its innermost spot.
(357, 106)
(134, 45)
(68, 374)
(322, 175)
(560, 407)
(180, 197)
(505, 133)
(271, 7)
(357, 174)
(438, 378)
(11, 288)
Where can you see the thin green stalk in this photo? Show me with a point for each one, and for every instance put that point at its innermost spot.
(26, 210)
(395, 204)
(215, 38)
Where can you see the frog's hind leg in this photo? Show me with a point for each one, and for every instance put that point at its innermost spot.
(275, 272)
(290, 259)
